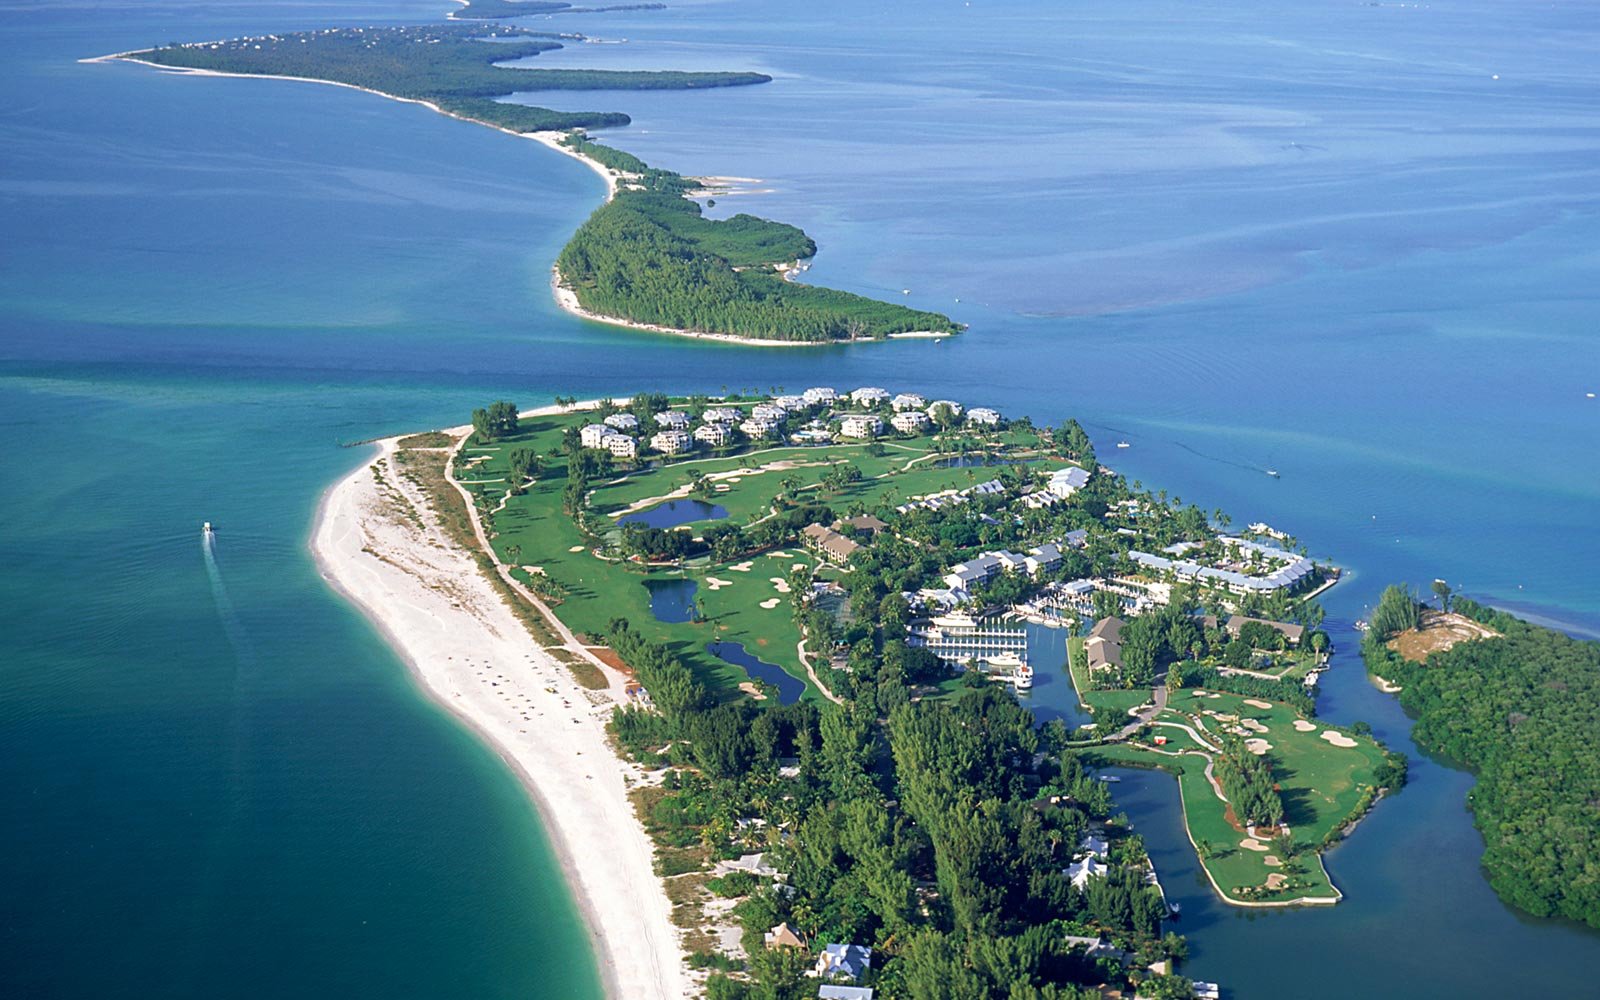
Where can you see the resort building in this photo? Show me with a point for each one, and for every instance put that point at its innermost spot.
(757, 428)
(1104, 645)
(790, 403)
(771, 412)
(1235, 577)
(620, 445)
(860, 425)
(819, 395)
(908, 401)
(722, 415)
(833, 546)
(715, 435)
(1039, 499)
(1044, 558)
(983, 416)
(593, 435)
(909, 421)
(1065, 482)
(964, 575)
(869, 396)
(675, 420)
(952, 405)
(670, 442)
(622, 422)
(843, 961)
(866, 525)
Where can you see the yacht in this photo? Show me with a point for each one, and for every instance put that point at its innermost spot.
(1122, 444)
(1273, 473)
(205, 529)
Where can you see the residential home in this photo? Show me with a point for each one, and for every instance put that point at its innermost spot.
(754, 864)
(784, 936)
(1096, 947)
(983, 416)
(620, 445)
(843, 961)
(721, 415)
(670, 442)
(791, 403)
(676, 420)
(835, 991)
(622, 422)
(1039, 499)
(1104, 645)
(865, 525)
(832, 545)
(1065, 482)
(991, 487)
(954, 407)
(770, 412)
(757, 428)
(1080, 872)
(1078, 539)
(819, 395)
(869, 396)
(860, 425)
(1095, 846)
(593, 435)
(715, 435)
(908, 401)
(909, 422)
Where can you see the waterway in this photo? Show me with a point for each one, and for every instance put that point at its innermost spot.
(1321, 239)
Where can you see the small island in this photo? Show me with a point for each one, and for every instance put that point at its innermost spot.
(803, 620)
(648, 259)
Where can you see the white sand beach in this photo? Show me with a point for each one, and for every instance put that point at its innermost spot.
(475, 658)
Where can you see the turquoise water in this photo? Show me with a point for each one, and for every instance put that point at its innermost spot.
(1320, 239)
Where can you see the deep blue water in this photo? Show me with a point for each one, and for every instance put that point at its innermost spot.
(789, 688)
(672, 600)
(676, 512)
(1318, 238)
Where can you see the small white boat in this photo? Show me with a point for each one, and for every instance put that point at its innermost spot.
(1123, 444)
(1273, 473)
(205, 529)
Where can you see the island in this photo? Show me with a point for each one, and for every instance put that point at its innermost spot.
(1515, 703)
(802, 621)
(648, 259)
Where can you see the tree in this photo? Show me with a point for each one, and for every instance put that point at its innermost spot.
(1396, 612)
(1442, 591)
(1106, 604)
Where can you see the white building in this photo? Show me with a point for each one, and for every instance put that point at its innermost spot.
(676, 420)
(1082, 871)
(818, 395)
(722, 415)
(908, 401)
(621, 445)
(670, 442)
(983, 416)
(1045, 558)
(715, 435)
(770, 412)
(756, 428)
(933, 407)
(1065, 482)
(791, 403)
(623, 422)
(869, 395)
(860, 425)
(909, 422)
(594, 435)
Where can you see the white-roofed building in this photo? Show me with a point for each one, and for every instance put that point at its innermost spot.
(715, 435)
(1045, 558)
(983, 416)
(819, 394)
(676, 420)
(1082, 871)
(1065, 482)
(756, 428)
(860, 425)
(909, 421)
(623, 422)
(670, 442)
(721, 415)
(594, 435)
(791, 403)
(869, 395)
(620, 445)
(771, 412)
(908, 401)
(952, 405)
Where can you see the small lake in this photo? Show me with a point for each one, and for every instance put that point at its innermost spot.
(672, 600)
(676, 512)
(789, 689)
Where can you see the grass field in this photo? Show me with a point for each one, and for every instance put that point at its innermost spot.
(1322, 787)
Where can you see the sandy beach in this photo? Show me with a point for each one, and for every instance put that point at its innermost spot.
(377, 542)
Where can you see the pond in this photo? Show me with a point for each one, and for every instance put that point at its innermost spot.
(789, 689)
(676, 512)
(672, 600)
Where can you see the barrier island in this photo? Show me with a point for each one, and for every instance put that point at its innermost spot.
(648, 258)
(810, 613)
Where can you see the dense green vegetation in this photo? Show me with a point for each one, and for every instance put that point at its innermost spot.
(650, 256)
(1520, 711)
(451, 66)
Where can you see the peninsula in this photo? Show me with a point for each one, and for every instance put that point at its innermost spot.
(802, 618)
(648, 259)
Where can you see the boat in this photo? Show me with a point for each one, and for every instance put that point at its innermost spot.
(1273, 473)
(1122, 444)
(205, 529)
(1362, 626)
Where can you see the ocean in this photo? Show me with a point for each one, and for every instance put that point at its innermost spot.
(1323, 240)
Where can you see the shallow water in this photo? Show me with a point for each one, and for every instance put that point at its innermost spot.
(1319, 239)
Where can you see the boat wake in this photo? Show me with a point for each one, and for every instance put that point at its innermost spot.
(219, 594)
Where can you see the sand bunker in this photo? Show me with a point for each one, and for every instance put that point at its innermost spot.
(770, 603)
(1303, 726)
(576, 548)
(1259, 746)
(1338, 739)
(1257, 703)
(1253, 725)
(780, 583)
(1198, 694)
(751, 690)
(1272, 861)
(733, 479)
(1275, 881)
(717, 584)
(1252, 844)
(778, 555)
(743, 567)
(797, 566)
(720, 488)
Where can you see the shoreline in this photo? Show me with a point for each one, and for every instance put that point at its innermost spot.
(378, 546)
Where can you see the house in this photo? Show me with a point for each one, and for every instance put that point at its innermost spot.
(1065, 482)
(771, 412)
(818, 395)
(756, 428)
(1096, 947)
(790, 404)
(620, 445)
(784, 936)
(1094, 846)
(1104, 645)
(592, 435)
(1044, 558)
(860, 425)
(909, 422)
(1078, 539)
(908, 401)
(715, 435)
(983, 416)
(869, 396)
(948, 404)
(992, 487)
(721, 415)
(843, 961)
(1039, 499)
(622, 422)
(754, 864)
(675, 420)
(1290, 631)
(834, 547)
(866, 525)
(1085, 869)
(670, 442)
(834, 991)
